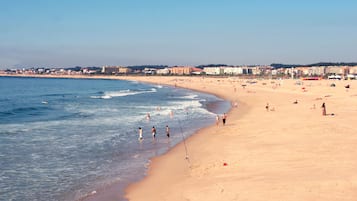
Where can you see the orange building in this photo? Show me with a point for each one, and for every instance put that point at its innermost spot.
(181, 70)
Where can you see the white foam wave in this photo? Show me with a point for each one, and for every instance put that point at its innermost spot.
(186, 104)
(177, 108)
(190, 96)
(101, 97)
(127, 92)
(106, 97)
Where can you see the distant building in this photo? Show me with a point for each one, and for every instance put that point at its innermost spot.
(232, 70)
(335, 70)
(181, 70)
(301, 71)
(317, 71)
(149, 71)
(213, 70)
(196, 71)
(124, 70)
(164, 71)
(110, 69)
(87, 71)
(115, 70)
(261, 70)
(247, 71)
(353, 70)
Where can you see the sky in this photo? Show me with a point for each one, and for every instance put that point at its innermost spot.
(67, 33)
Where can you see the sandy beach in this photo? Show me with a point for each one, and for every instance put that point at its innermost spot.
(288, 151)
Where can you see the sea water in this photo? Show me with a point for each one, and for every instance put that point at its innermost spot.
(62, 139)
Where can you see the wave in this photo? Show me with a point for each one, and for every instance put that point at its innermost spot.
(159, 86)
(59, 94)
(77, 115)
(190, 97)
(128, 92)
(120, 93)
(101, 97)
(24, 110)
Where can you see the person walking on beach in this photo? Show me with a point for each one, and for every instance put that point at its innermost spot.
(217, 120)
(267, 107)
(153, 131)
(167, 131)
(140, 133)
(323, 106)
(224, 117)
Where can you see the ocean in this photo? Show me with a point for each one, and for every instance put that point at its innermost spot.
(63, 139)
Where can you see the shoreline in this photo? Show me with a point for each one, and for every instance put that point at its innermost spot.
(110, 191)
(288, 152)
(163, 162)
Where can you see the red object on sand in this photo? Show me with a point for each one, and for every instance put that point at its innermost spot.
(225, 164)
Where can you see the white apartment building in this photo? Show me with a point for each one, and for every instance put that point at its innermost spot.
(319, 70)
(164, 71)
(233, 70)
(213, 70)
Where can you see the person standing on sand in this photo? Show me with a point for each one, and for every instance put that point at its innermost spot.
(224, 117)
(140, 133)
(323, 106)
(167, 131)
(153, 130)
(217, 120)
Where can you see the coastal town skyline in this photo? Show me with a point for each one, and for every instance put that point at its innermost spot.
(93, 33)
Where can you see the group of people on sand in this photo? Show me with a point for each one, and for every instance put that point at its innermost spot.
(323, 107)
(153, 132)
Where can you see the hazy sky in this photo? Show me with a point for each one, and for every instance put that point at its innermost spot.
(65, 33)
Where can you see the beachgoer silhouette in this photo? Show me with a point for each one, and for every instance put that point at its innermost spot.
(224, 117)
(323, 106)
(167, 131)
(140, 133)
(153, 130)
(217, 119)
